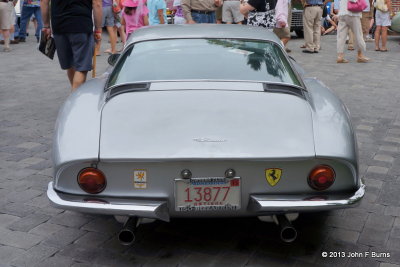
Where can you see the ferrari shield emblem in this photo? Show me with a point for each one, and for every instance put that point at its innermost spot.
(273, 176)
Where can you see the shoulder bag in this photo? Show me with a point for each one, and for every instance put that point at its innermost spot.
(357, 6)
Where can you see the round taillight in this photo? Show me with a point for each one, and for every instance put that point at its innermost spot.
(92, 180)
(321, 177)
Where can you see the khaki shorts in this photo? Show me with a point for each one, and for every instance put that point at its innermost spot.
(5, 15)
(282, 32)
(231, 11)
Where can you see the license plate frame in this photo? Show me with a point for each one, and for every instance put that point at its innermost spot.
(216, 198)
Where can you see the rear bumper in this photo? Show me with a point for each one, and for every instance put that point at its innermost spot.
(295, 203)
(158, 209)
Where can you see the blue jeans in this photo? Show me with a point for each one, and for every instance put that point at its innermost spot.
(203, 18)
(26, 15)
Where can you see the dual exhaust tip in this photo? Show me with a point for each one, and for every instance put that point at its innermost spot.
(288, 233)
(127, 235)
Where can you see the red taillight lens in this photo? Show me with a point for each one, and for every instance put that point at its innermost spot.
(321, 177)
(92, 180)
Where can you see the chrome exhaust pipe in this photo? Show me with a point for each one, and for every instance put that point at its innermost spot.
(288, 233)
(127, 234)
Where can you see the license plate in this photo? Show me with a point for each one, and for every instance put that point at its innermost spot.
(207, 194)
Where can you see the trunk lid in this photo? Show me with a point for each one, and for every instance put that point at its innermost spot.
(205, 124)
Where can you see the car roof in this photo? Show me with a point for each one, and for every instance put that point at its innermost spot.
(194, 31)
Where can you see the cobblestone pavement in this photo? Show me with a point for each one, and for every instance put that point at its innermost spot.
(32, 233)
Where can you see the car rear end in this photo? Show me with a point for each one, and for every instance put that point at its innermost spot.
(208, 153)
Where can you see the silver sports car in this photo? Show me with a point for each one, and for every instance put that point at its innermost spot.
(204, 121)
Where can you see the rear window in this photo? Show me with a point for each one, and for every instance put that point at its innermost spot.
(203, 59)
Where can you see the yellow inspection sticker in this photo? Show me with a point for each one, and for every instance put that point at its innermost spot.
(140, 178)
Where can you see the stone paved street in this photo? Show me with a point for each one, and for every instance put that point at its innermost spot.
(32, 233)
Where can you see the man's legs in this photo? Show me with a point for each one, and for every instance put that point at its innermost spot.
(38, 16)
(308, 24)
(76, 78)
(203, 18)
(317, 28)
(26, 15)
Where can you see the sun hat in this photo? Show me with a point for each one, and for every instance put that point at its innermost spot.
(130, 3)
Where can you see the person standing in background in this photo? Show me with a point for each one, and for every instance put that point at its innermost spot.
(179, 18)
(350, 20)
(119, 28)
(157, 12)
(312, 25)
(5, 23)
(12, 4)
(383, 21)
(366, 17)
(29, 8)
(134, 16)
(108, 21)
(72, 28)
(259, 13)
(200, 11)
(283, 17)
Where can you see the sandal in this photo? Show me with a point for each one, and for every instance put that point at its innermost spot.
(342, 60)
(362, 60)
(377, 49)
(108, 51)
(383, 50)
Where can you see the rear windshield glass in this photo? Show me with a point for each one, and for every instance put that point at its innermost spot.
(203, 59)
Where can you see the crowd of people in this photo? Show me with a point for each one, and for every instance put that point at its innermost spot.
(76, 25)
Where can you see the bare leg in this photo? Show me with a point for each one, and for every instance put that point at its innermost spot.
(341, 59)
(122, 34)
(384, 37)
(330, 29)
(12, 32)
(113, 38)
(70, 73)
(6, 36)
(361, 58)
(377, 37)
(285, 41)
(79, 78)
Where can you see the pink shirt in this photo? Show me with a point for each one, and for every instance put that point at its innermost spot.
(135, 21)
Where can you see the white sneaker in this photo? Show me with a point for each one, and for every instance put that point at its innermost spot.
(369, 39)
